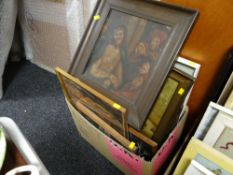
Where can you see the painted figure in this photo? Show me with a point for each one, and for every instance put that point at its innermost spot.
(140, 63)
(156, 43)
(108, 68)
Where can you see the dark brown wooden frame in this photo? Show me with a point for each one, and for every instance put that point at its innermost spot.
(181, 21)
(172, 113)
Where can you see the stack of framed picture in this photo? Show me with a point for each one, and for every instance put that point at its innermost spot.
(211, 147)
(127, 52)
(103, 111)
(124, 79)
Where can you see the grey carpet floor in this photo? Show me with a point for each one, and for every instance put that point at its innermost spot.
(34, 100)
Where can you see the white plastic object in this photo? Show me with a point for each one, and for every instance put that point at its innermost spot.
(23, 169)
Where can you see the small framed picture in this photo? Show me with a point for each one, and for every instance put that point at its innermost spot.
(187, 66)
(212, 159)
(109, 111)
(220, 134)
(128, 50)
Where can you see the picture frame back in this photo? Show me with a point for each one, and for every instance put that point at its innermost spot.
(128, 50)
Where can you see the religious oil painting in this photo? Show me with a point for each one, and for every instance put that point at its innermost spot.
(127, 52)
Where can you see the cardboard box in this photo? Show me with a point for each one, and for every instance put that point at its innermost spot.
(126, 161)
(51, 31)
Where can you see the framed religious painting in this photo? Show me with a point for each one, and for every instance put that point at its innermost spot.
(128, 49)
(220, 134)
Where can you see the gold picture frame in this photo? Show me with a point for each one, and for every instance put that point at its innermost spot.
(78, 93)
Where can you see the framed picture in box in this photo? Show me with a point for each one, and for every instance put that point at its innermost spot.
(189, 67)
(111, 112)
(220, 134)
(128, 50)
(197, 148)
(165, 112)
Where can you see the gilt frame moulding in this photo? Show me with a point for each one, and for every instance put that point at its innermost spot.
(121, 33)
